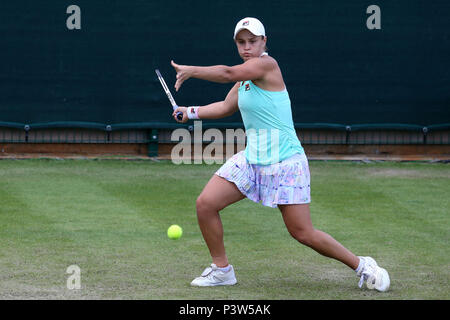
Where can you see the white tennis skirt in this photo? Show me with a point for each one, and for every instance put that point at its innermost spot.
(285, 182)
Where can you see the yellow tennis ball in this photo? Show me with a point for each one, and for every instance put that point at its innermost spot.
(174, 231)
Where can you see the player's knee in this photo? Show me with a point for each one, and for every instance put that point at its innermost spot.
(204, 206)
(305, 237)
(200, 204)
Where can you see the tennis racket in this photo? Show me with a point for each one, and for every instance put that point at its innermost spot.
(169, 95)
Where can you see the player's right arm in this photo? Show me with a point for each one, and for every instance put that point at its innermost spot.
(214, 110)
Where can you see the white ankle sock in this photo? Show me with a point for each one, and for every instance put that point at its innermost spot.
(360, 265)
(225, 269)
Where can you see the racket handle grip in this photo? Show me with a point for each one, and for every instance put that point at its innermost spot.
(179, 113)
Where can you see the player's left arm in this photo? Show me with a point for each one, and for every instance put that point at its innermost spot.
(214, 110)
(252, 69)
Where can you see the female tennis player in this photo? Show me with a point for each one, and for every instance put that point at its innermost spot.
(273, 168)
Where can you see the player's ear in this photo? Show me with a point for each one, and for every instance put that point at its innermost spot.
(265, 40)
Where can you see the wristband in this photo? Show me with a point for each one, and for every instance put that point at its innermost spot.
(192, 112)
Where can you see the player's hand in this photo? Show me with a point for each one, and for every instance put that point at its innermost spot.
(182, 74)
(184, 111)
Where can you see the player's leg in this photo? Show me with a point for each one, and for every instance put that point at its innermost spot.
(298, 222)
(217, 194)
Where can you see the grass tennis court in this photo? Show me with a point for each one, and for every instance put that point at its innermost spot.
(110, 218)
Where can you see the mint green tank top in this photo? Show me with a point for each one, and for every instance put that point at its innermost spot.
(268, 123)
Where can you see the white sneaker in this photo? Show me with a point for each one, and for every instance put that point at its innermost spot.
(213, 276)
(375, 277)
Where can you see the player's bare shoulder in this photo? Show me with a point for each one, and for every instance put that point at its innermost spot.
(273, 79)
(268, 62)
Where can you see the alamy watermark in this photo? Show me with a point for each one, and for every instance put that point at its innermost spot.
(74, 280)
(261, 143)
(73, 21)
(220, 146)
(374, 20)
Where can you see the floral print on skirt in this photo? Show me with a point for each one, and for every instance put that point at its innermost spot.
(285, 182)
